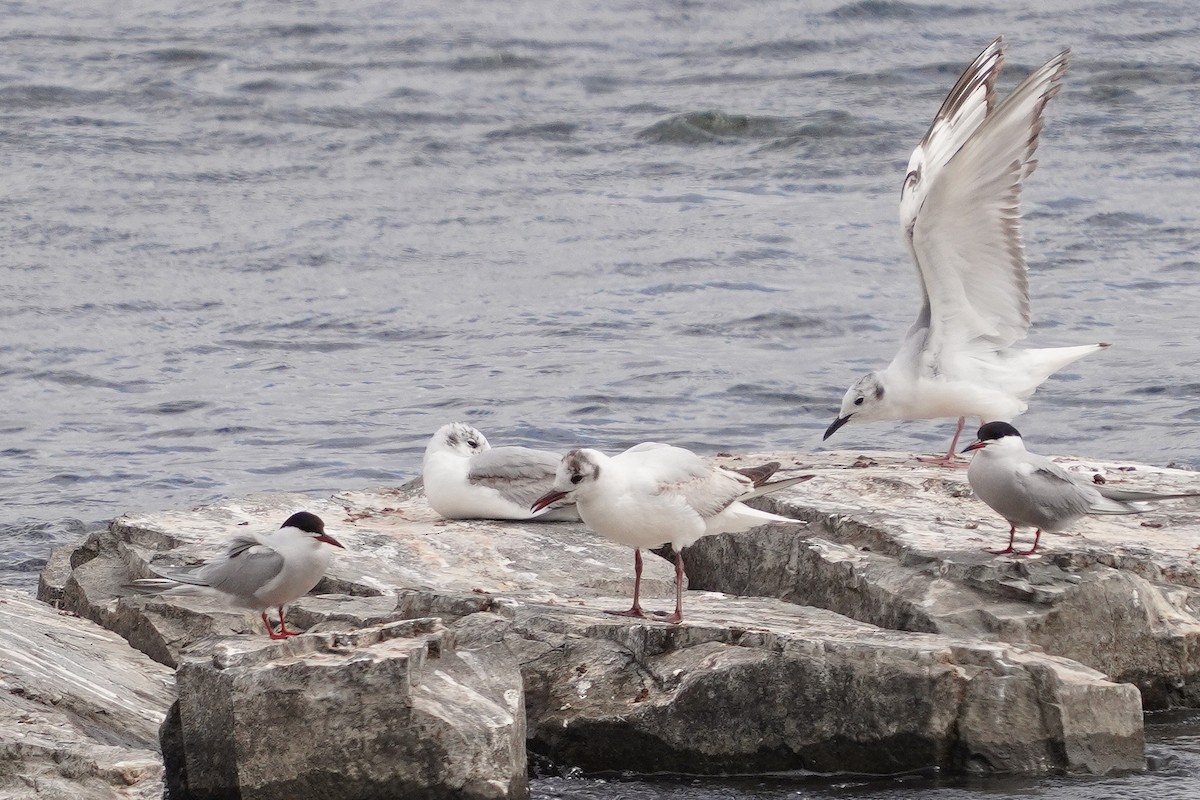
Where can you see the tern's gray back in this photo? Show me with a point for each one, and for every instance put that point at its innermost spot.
(246, 566)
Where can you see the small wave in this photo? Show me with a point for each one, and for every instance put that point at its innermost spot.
(302, 29)
(35, 97)
(549, 131)
(175, 407)
(782, 48)
(708, 127)
(1121, 219)
(760, 324)
(894, 9)
(496, 62)
(310, 346)
(72, 378)
(182, 55)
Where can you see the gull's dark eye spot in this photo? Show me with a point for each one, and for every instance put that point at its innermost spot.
(471, 443)
(858, 401)
(576, 478)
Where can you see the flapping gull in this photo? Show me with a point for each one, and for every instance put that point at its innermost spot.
(1031, 491)
(258, 571)
(655, 494)
(466, 478)
(960, 214)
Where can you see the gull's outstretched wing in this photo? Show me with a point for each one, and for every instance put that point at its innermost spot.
(965, 107)
(960, 209)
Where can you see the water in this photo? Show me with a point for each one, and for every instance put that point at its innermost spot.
(248, 247)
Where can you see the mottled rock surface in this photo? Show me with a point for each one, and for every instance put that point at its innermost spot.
(79, 709)
(901, 545)
(744, 684)
(389, 711)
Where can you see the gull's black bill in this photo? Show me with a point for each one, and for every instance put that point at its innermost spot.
(837, 423)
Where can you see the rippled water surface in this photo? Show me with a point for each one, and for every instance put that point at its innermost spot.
(273, 247)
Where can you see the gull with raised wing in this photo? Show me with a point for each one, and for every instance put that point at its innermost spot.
(257, 571)
(960, 215)
(467, 478)
(655, 494)
(1031, 491)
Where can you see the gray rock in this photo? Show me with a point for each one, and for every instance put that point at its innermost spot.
(901, 545)
(390, 711)
(79, 710)
(747, 683)
(757, 685)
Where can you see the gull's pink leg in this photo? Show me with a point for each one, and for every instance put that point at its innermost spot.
(270, 630)
(1036, 536)
(951, 459)
(677, 617)
(636, 609)
(1012, 532)
(283, 626)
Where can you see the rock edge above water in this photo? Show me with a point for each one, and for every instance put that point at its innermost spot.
(938, 654)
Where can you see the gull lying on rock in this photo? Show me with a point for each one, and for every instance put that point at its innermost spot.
(960, 214)
(655, 494)
(1031, 491)
(257, 571)
(466, 478)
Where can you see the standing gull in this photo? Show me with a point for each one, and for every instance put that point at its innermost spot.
(258, 571)
(960, 214)
(655, 494)
(466, 478)
(1031, 491)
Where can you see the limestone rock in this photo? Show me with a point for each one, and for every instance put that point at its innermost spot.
(757, 685)
(746, 683)
(79, 710)
(389, 711)
(901, 545)
(393, 540)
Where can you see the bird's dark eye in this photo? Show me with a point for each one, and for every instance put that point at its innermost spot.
(858, 401)
(471, 443)
(576, 478)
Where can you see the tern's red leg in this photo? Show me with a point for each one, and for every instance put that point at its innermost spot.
(1012, 533)
(677, 617)
(951, 459)
(636, 609)
(1036, 536)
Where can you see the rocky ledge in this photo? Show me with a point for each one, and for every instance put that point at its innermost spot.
(880, 638)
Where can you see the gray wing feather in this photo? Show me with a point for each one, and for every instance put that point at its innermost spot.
(1053, 494)
(710, 491)
(246, 567)
(520, 474)
(1132, 496)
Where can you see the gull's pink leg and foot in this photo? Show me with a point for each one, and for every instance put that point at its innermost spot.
(1012, 533)
(283, 629)
(951, 459)
(677, 617)
(1036, 536)
(636, 609)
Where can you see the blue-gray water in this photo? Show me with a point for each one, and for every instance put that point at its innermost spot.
(274, 246)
